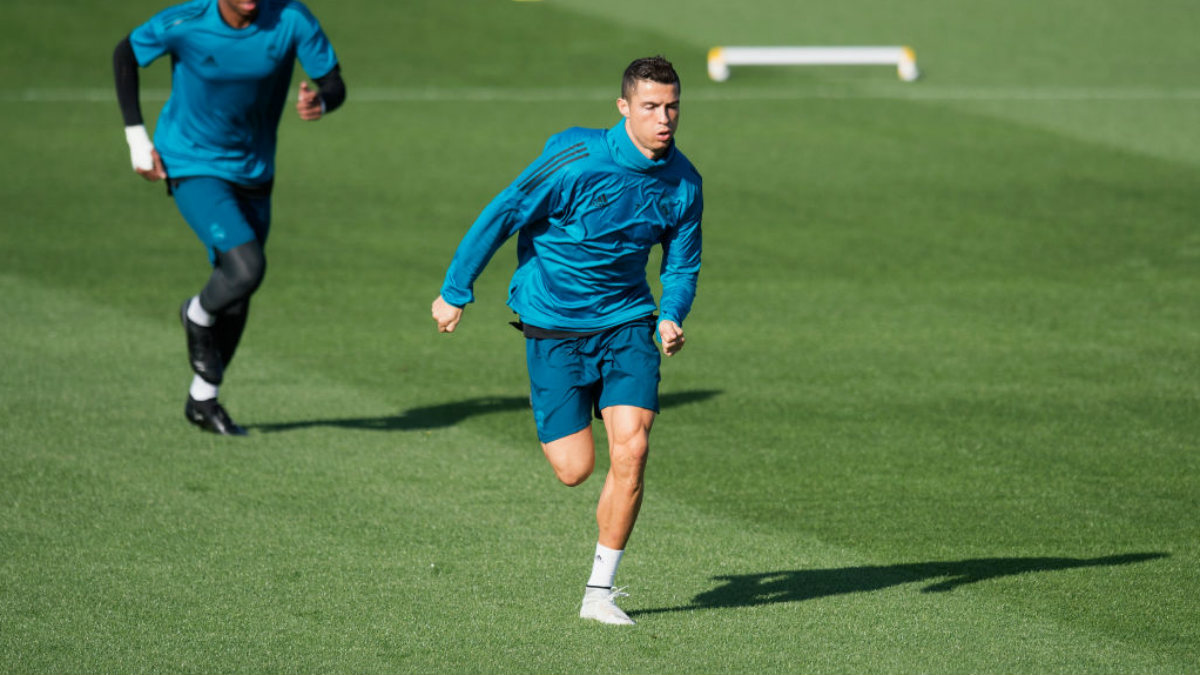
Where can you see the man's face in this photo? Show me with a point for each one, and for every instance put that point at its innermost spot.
(239, 13)
(651, 116)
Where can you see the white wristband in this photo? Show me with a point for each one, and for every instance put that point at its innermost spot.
(140, 147)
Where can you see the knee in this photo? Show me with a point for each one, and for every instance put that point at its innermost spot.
(572, 457)
(629, 455)
(244, 268)
(573, 474)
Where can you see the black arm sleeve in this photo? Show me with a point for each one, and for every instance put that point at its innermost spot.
(331, 88)
(125, 72)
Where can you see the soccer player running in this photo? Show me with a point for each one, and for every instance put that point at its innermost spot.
(588, 212)
(231, 66)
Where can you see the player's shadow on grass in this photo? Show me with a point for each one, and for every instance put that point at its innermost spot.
(449, 414)
(749, 590)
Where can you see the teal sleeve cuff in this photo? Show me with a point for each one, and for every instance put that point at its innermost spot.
(665, 317)
(456, 297)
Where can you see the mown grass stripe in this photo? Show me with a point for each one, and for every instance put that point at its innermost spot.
(800, 92)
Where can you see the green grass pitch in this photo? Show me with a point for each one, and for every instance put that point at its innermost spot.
(939, 410)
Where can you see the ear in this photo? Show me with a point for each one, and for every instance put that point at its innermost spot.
(623, 107)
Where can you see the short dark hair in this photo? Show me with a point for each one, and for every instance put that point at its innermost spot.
(653, 68)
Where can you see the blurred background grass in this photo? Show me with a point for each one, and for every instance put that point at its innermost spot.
(938, 324)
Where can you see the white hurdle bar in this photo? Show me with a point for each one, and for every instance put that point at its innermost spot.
(720, 58)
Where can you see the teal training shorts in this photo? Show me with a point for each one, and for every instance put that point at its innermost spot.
(572, 379)
(222, 214)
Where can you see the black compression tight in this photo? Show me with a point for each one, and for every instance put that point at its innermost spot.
(235, 276)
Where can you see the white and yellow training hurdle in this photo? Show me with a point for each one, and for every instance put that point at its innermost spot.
(721, 58)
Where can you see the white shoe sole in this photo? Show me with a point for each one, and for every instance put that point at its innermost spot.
(606, 613)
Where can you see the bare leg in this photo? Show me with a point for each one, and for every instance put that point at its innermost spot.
(572, 457)
(628, 444)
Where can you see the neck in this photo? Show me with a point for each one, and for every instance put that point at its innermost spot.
(650, 154)
(232, 18)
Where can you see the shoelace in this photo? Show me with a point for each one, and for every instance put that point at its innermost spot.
(618, 593)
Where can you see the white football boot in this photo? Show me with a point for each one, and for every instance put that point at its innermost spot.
(599, 605)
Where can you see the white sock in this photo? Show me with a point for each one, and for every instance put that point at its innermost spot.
(201, 390)
(604, 567)
(198, 314)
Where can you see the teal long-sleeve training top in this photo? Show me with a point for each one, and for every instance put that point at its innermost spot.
(589, 210)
